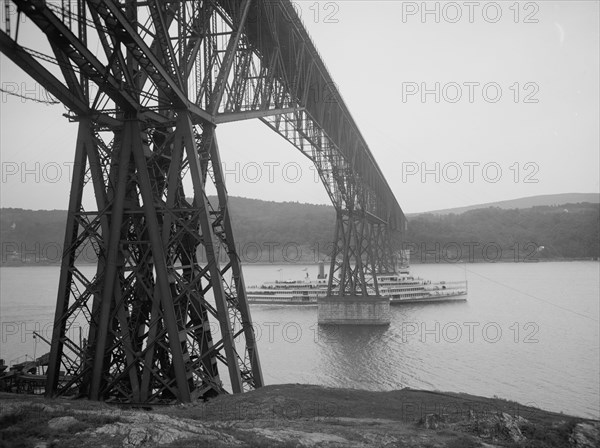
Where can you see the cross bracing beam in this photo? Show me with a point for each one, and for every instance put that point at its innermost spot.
(162, 323)
(284, 59)
(281, 68)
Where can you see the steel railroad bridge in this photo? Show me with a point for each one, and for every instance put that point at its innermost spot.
(147, 105)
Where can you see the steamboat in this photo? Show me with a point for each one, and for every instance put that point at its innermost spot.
(400, 286)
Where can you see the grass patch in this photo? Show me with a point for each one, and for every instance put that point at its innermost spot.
(23, 427)
(28, 425)
(463, 442)
(545, 437)
(97, 420)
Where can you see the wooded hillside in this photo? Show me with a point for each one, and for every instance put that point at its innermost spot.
(292, 232)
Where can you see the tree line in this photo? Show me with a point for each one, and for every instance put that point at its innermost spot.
(294, 232)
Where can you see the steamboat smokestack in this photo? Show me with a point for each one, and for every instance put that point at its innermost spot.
(321, 270)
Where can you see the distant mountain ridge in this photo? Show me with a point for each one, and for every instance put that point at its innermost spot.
(525, 202)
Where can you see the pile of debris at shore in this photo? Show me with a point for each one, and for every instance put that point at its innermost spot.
(26, 377)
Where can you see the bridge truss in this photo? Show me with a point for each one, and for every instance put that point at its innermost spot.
(162, 324)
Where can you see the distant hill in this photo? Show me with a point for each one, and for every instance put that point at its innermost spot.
(31, 236)
(267, 231)
(565, 231)
(527, 202)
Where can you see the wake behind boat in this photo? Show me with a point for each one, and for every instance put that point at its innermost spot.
(400, 286)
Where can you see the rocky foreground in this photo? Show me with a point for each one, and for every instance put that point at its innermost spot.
(294, 416)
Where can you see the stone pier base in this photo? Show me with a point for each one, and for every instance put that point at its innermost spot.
(354, 310)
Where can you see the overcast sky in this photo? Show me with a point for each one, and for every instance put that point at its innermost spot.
(511, 107)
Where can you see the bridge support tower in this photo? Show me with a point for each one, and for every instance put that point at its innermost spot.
(165, 308)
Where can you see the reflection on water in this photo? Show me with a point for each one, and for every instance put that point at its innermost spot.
(528, 332)
(524, 334)
(356, 357)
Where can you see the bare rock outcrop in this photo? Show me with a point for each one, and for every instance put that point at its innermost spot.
(140, 430)
(585, 435)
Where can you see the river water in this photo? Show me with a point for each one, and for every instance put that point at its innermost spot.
(528, 332)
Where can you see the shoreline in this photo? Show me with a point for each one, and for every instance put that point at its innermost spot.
(295, 415)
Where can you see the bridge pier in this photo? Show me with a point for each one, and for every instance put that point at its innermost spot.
(354, 310)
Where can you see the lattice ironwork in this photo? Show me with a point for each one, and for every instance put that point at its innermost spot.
(163, 323)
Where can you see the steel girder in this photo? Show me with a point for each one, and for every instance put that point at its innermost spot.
(147, 105)
(162, 324)
(277, 69)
